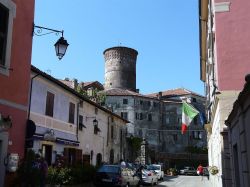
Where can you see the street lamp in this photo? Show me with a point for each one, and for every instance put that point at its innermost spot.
(61, 44)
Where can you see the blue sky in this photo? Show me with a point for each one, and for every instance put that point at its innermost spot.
(164, 32)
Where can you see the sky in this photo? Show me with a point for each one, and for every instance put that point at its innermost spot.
(164, 32)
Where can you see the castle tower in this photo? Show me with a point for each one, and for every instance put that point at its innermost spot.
(120, 68)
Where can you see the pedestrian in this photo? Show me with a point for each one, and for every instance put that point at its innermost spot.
(44, 171)
(139, 174)
(200, 171)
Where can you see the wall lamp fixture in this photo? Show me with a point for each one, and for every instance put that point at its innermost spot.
(61, 44)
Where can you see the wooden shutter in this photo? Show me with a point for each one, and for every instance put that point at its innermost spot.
(49, 104)
(71, 113)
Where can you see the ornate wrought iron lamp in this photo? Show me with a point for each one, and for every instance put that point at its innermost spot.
(61, 44)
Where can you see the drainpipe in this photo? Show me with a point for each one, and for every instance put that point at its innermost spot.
(211, 31)
(31, 85)
(77, 118)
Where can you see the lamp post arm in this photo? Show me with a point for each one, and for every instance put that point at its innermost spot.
(37, 30)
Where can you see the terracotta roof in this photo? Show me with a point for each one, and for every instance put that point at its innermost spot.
(68, 83)
(92, 84)
(69, 89)
(123, 92)
(175, 92)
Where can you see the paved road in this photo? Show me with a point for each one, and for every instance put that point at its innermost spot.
(184, 181)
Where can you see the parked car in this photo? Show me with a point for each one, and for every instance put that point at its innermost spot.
(114, 175)
(149, 177)
(188, 171)
(158, 169)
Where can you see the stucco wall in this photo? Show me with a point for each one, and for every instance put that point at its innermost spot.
(232, 46)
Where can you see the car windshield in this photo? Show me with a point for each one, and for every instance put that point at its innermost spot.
(152, 167)
(109, 169)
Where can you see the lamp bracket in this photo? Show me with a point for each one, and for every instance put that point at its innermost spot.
(38, 31)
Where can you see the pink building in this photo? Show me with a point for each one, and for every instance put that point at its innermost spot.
(15, 59)
(224, 62)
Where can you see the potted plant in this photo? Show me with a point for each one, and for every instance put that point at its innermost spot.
(213, 170)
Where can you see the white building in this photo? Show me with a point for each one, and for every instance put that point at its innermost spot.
(61, 123)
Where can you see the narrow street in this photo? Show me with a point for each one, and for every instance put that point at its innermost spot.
(184, 181)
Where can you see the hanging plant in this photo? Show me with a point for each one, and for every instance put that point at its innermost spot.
(213, 170)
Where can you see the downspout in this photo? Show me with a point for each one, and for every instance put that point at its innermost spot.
(212, 44)
(77, 119)
(31, 85)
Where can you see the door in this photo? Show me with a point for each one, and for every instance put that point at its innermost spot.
(47, 153)
(3, 154)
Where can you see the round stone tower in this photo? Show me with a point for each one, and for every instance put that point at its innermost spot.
(120, 68)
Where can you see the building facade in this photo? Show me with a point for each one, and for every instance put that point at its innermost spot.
(178, 150)
(70, 125)
(223, 32)
(152, 117)
(15, 34)
(238, 133)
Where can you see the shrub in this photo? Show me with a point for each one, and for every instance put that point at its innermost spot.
(70, 176)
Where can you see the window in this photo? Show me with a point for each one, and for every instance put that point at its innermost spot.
(96, 129)
(155, 104)
(149, 103)
(149, 117)
(140, 116)
(4, 17)
(7, 14)
(125, 101)
(136, 116)
(71, 112)
(49, 104)
(80, 122)
(141, 102)
(167, 120)
(175, 137)
(124, 115)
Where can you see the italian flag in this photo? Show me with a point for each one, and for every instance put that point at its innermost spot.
(188, 114)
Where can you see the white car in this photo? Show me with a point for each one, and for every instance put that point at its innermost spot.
(157, 168)
(149, 177)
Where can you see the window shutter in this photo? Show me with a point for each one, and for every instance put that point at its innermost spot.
(71, 112)
(49, 104)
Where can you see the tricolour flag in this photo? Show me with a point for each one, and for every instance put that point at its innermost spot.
(188, 114)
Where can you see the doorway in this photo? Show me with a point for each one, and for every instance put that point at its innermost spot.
(47, 153)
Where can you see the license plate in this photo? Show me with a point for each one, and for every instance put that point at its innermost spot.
(107, 180)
